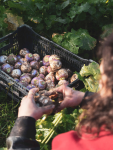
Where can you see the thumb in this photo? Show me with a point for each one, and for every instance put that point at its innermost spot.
(62, 105)
(48, 109)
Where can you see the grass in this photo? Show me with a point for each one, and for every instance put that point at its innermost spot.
(8, 115)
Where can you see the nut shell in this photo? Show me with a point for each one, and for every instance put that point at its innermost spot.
(41, 76)
(41, 84)
(18, 65)
(73, 78)
(34, 64)
(46, 60)
(54, 57)
(23, 52)
(29, 57)
(50, 84)
(16, 73)
(61, 74)
(26, 77)
(26, 68)
(55, 65)
(36, 57)
(63, 82)
(12, 59)
(35, 81)
(30, 86)
(43, 70)
(6, 68)
(34, 73)
(49, 69)
(70, 73)
(3, 59)
(50, 76)
(22, 60)
(24, 83)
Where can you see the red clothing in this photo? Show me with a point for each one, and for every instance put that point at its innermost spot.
(71, 141)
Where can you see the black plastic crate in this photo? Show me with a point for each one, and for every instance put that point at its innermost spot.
(25, 37)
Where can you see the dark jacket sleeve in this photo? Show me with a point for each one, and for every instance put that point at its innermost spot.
(22, 135)
(86, 101)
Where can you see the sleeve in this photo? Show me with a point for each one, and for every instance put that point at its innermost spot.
(22, 135)
(86, 101)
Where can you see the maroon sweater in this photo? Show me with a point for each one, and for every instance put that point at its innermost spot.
(71, 141)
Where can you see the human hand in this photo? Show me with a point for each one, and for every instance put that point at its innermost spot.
(29, 108)
(71, 98)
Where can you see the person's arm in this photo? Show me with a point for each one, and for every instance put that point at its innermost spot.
(84, 101)
(70, 98)
(23, 133)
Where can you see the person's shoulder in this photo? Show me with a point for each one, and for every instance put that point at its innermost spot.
(67, 134)
(67, 137)
(64, 141)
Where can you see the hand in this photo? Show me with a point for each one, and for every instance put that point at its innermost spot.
(29, 108)
(71, 98)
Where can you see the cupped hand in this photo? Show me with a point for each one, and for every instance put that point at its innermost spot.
(71, 98)
(29, 108)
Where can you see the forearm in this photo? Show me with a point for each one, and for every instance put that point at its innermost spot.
(22, 135)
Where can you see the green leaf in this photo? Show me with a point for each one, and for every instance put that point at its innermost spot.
(75, 39)
(83, 90)
(65, 4)
(91, 71)
(57, 39)
(59, 19)
(35, 19)
(91, 84)
(84, 7)
(70, 46)
(88, 42)
(107, 30)
(73, 11)
(39, 5)
(40, 26)
(92, 10)
(52, 17)
(16, 5)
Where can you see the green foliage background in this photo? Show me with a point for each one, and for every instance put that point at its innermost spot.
(81, 22)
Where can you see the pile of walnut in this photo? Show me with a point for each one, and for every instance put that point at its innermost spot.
(27, 69)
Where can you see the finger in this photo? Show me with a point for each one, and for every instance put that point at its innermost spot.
(32, 93)
(58, 89)
(47, 109)
(24, 98)
(62, 105)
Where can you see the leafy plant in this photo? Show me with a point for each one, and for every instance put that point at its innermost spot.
(3, 25)
(107, 30)
(76, 40)
(48, 127)
(8, 115)
(90, 76)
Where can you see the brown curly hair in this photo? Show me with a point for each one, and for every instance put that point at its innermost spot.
(99, 110)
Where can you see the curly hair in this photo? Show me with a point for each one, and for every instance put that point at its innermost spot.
(99, 111)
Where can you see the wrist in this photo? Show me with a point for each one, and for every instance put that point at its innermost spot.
(79, 97)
